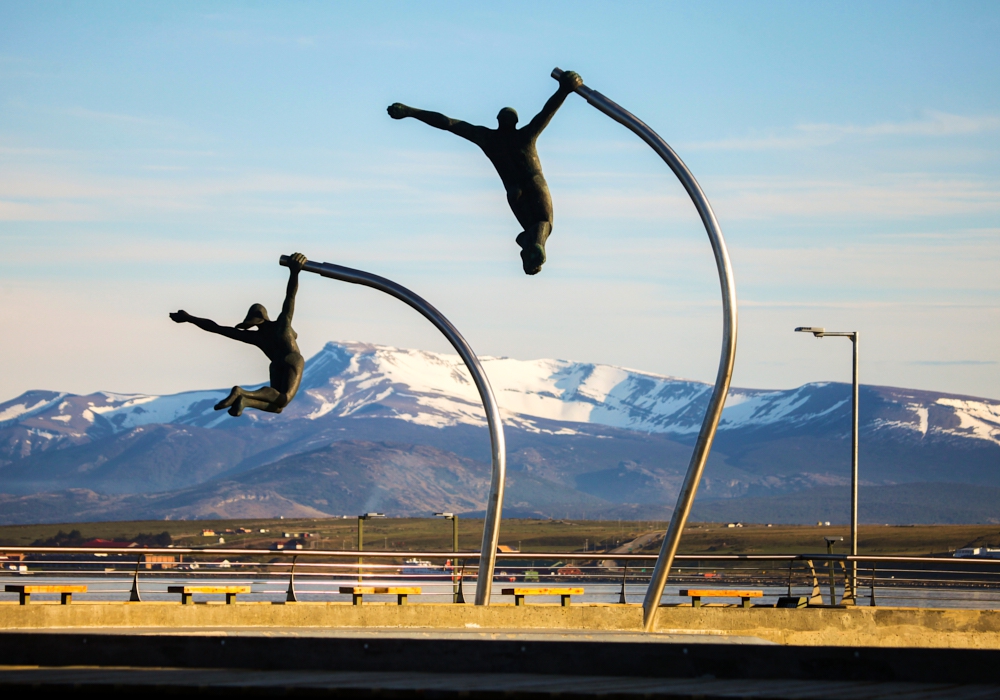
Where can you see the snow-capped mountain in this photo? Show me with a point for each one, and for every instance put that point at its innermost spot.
(597, 431)
(435, 390)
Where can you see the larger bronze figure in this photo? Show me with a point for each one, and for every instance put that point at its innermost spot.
(512, 152)
(275, 338)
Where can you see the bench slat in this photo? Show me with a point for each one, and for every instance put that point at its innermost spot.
(381, 590)
(30, 590)
(542, 591)
(187, 590)
(712, 593)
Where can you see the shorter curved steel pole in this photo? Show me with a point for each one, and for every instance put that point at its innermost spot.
(729, 322)
(494, 503)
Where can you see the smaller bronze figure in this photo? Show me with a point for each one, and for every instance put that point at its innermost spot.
(275, 338)
(512, 152)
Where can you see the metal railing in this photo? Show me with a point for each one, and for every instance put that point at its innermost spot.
(317, 575)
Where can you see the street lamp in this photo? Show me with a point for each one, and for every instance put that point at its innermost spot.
(457, 593)
(361, 535)
(855, 337)
(454, 528)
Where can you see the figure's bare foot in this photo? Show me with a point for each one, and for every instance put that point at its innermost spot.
(236, 410)
(532, 259)
(229, 400)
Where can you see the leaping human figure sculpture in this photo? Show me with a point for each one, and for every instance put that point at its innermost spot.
(513, 154)
(275, 338)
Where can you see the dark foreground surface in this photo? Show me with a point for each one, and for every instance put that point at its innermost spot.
(450, 665)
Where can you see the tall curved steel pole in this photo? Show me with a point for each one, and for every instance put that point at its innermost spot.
(729, 323)
(494, 505)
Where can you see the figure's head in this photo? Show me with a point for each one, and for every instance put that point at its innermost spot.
(507, 118)
(255, 316)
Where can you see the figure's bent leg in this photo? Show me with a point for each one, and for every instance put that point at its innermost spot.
(532, 242)
(245, 402)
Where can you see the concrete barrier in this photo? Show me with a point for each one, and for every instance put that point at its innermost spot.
(854, 627)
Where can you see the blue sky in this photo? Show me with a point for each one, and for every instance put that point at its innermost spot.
(157, 156)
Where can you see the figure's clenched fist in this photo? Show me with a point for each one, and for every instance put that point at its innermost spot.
(397, 110)
(297, 261)
(181, 316)
(570, 81)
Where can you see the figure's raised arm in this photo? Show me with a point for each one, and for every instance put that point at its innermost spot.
(568, 82)
(213, 327)
(438, 121)
(295, 264)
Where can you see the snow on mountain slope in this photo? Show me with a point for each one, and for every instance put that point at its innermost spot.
(435, 390)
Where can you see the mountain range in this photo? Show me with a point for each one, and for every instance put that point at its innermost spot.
(403, 431)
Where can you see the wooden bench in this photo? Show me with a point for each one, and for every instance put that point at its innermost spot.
(65, 592)
(698, 593)
(357, 593)
(187, 591)
(563, 593)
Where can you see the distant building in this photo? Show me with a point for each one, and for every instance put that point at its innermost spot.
(734, 524)
(208, 533)
(108, 544)
(978, 552)
(160, 561)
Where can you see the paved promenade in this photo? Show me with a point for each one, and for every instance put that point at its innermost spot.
(476, 664)
(815, 626)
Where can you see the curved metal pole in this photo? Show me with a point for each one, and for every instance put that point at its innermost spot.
(729, 322)
(494, 504)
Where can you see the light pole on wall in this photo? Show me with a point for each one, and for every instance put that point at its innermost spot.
(854, 336)
(457, 593)
(361, 535)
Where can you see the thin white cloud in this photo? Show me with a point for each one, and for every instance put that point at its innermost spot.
(111, 117)
(934, 124)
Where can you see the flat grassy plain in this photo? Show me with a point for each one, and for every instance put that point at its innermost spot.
(425, 534)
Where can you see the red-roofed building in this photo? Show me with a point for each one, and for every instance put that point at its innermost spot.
(108, 544)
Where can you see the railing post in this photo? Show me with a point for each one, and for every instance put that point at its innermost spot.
(133, 596)
(290, 594)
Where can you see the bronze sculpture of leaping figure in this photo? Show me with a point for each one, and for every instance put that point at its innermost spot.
(513, 154)
(275, 338)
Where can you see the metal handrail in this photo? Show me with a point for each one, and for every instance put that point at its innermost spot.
(470, 555)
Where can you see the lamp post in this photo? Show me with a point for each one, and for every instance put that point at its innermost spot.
(854, 336)
(361, 535)
(457, 593)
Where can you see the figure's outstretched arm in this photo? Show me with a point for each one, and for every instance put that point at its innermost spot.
(295, 265)
(438, 121)
(213, 327)
(567, 84)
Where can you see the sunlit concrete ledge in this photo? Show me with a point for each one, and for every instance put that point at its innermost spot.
(860, 626)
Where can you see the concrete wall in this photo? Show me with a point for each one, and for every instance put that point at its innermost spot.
(863, 626)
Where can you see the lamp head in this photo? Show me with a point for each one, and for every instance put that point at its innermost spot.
(368, 516)
(444, 515)
(831, 540)
(815, 330)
